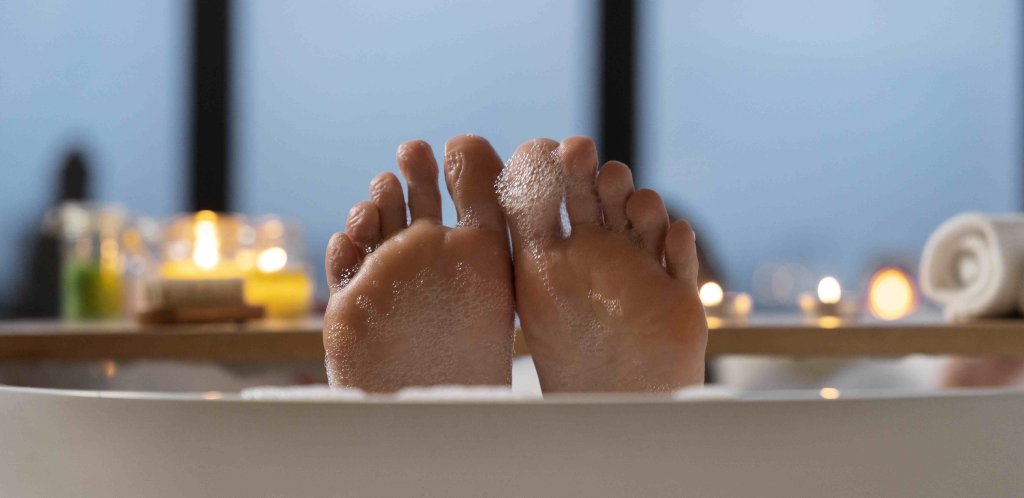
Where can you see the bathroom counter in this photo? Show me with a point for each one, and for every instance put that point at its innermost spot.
(268, 340)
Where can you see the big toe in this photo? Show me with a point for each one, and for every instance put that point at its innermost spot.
(471, 169)
(530, 191)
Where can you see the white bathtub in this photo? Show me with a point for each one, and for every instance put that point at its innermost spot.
(101, 443)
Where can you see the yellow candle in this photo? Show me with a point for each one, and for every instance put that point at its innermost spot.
(207, 260)
(285, 292)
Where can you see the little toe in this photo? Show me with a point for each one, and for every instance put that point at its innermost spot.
(363, 226)
(614, 187)
(530, 191)
(416, 161)
(342, 261)
(579, 162)
(649, 220)
(386, 193)
(471, 169)
(681, 253)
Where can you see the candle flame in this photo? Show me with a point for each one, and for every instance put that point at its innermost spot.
(272, 260)
(206, 245)
(743, 304)
(891, 294)
(829, 393)
(711, 294)
(829, 291)
(109, 369)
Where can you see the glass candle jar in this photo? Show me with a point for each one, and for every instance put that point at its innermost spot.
(204, 245)
(277, 276)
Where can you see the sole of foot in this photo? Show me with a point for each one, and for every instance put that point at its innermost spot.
(413, 302)
(608, 297)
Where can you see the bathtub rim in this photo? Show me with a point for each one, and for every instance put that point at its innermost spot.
(733, 396)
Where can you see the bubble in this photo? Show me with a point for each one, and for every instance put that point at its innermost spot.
(345, 278)
(611, 306)
(469, 219)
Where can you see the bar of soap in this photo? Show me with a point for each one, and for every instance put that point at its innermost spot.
(194, 293)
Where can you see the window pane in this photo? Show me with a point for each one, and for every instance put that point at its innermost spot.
(836, 134)
(327, 91)
(106, 76)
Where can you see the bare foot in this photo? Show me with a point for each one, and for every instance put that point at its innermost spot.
(613, 306)
(423, 304)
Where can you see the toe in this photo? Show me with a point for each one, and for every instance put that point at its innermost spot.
(471, 168)
(649, 220)
(681, 252)
(416, 161)
(579, 162)
(614, 187)
(530, 192)
(363, 226)
(386, 193)
(342, 261)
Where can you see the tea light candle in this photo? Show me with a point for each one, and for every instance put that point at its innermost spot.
(284, 291)
(829, 304)
(276, 276)
(206, 259)
(720, 305)
(214, 247)
(891, 294)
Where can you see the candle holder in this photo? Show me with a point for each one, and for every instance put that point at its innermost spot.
(199, 278)
(205, 246)
(720, 306)
(277, 276)
(828, 308)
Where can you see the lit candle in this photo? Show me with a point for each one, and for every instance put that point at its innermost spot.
(828, 306)
(284, 291)
(720, 305)
(891, 294)
(275, 278)
(208, 246)
(206, 259)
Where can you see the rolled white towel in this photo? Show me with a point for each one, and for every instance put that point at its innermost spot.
(973, 265)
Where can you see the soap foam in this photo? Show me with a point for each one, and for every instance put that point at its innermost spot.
(529, 180)
(611, 306)
(461, 393)
(432, 393)
(295, 393)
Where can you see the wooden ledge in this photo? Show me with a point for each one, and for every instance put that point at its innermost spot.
(270, 340)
